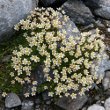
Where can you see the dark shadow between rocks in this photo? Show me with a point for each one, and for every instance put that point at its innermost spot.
(53, 3)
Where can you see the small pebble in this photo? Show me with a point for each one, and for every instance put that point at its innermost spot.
(96, 107)
(107, 104)
(105, 83)
(108, 29)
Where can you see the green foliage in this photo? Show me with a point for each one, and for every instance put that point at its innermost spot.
(6, 48)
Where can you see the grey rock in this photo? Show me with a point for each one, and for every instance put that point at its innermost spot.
(78, 12)
(107, 93)
(104, 12)
(107, 104)
(96, 107)
(99, 24)
(39, 75)
(69, 27)
(99, 7)
(108, 48)
(106, 82)
(107, 74)
(69, 104)
(45, 96)
(97, 97)
(103, 66)
(37, 101)
(12, 100)
(11, 12)
(27, 105)
(98, 102)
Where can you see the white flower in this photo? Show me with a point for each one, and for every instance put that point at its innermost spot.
(4, 94)
(66, 62)
(34, 82)
(33, 93)
(50, 94)
(26, 94)
(12, 82)
(35, 58)
(12, 74)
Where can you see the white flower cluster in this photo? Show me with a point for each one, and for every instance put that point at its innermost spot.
(69, 59)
